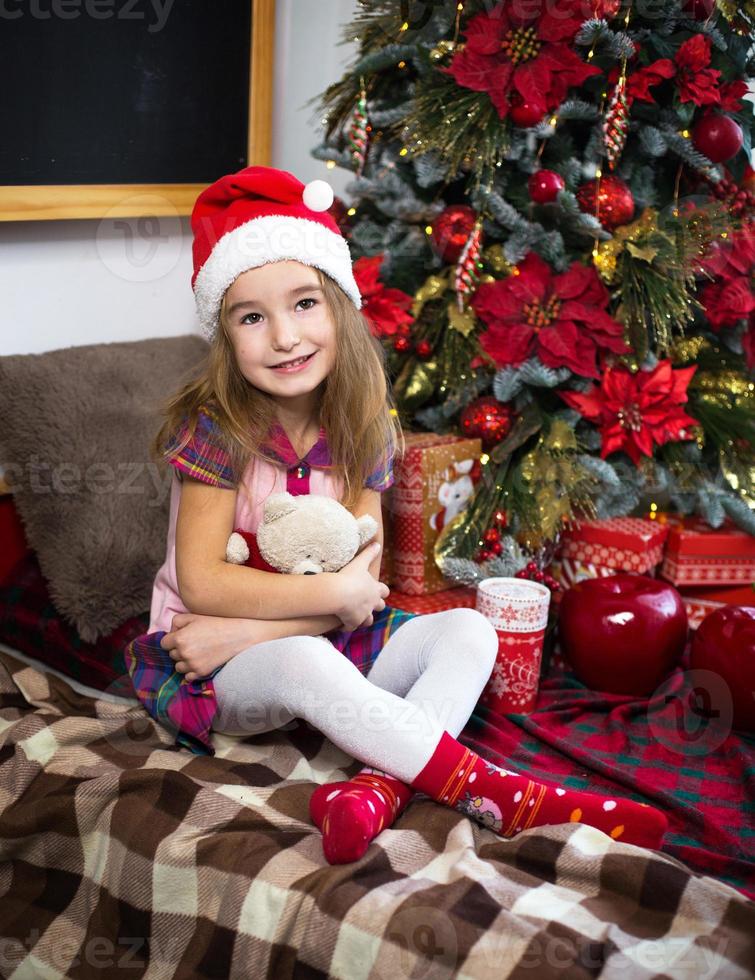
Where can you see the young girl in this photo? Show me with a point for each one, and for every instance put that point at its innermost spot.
(293, 396)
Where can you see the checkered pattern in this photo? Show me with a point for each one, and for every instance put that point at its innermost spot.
(123, 852)
(29, 622)
(187, 708)
(659, 751)
(205, 459)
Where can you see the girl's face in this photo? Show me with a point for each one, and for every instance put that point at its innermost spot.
(277, 314)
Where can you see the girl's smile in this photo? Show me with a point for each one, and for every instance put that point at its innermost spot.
(283, 334)
(290, 367)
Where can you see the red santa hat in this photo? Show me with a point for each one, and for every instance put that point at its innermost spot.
(256, 216)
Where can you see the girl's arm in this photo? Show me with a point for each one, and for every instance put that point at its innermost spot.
(369, 503)
(198, 644)
(212, 587)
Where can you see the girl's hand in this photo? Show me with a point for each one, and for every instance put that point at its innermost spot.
(359, 592)
(199, 644)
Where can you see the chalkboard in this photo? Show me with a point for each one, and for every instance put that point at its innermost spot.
(130, 94)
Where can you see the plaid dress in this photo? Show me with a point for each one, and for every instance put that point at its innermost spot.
(187, 708)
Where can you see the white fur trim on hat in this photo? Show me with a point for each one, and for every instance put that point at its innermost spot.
(273, 238)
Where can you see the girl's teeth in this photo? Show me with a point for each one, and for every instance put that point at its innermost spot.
(292, 363)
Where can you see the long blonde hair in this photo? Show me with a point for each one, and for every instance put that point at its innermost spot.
(356, 407)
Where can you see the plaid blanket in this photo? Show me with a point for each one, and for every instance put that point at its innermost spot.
(124, 853)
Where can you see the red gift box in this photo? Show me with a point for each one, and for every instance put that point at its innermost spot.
(460, 597)
(700, 602)
(697, 554)
(433, 482)
(625, 544)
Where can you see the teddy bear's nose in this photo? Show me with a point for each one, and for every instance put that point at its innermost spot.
(310, 573)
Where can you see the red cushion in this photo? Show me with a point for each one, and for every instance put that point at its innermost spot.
(30, 623)
(12, 536)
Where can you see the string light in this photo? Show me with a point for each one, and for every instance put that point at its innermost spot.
(428, 229)
(330, 164)
(351, 212)
(405, 26)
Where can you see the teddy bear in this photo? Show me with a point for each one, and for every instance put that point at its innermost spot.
(302, 535)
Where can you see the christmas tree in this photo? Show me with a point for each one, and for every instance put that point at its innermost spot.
(552, 212)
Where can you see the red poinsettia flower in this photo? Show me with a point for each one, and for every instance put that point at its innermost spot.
(731, 95)
(731, 297)
(696, 81)
(641, 81)
(384, 307)
(522, 48)
(635, 412)
(561, 318)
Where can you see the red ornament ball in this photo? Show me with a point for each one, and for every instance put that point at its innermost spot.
(487, 418)
(501, 518)
(451, 229)
(523, 113)
(424, 348)
(609, 198)
(699, 9)
(401, 345)
(544, 186)
(491, 536)
(718, 137)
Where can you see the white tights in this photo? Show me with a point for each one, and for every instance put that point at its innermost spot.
(426, 679)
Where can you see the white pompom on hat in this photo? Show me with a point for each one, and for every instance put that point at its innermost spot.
(256, 216)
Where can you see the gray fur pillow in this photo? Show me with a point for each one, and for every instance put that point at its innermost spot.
(74, 442)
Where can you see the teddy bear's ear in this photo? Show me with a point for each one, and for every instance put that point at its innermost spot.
(367, 528)
(278, 505)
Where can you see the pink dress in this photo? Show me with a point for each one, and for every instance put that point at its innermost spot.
(260, 479)
(187, 708)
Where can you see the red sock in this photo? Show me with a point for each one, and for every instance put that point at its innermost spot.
(508, 803)
(350, 814)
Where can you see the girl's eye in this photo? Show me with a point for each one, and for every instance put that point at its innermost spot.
(311, 302)
(307, 299)
(245, 317)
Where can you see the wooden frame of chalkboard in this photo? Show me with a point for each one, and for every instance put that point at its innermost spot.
(47, 201)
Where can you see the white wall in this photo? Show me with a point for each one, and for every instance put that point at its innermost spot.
(67, 283)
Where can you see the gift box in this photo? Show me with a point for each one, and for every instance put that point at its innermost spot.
(624, 544)
(700, 602)
(386, 555)
(434, 480)
(697, 554)
(568, 571)
(458, 598)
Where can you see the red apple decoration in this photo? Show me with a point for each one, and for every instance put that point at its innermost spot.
(725, 644)
(624, 633)
(718, 137)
